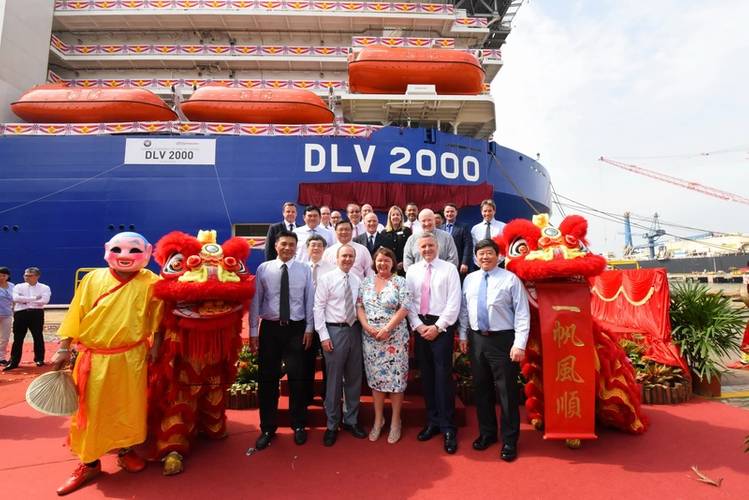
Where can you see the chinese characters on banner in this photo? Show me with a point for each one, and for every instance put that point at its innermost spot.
(568, 360)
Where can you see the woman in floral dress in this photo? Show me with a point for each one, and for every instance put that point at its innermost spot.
(382, 307)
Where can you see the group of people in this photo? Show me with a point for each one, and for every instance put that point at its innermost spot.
(21, 311)
(360, 290)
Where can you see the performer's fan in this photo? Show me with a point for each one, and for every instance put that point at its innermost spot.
(53, 393)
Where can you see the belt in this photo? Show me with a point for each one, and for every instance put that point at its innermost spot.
(489, 333)
(341, 325)
(82, 371)
(284, 322)
(428, 317)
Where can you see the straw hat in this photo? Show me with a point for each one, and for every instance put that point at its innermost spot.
(53, 393)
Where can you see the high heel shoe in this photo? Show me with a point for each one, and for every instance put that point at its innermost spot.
(374, 434)
(395, 433)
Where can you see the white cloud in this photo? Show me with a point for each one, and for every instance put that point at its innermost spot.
(611, 78)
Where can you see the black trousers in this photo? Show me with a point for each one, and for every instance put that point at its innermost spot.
(28, 319)
(495, 379)
(282, 343)
(436, 364)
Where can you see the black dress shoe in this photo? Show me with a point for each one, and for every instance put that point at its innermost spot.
(300, 436)
(10, 367)
(328, 439)
(4, 362)
(263, 441)
(483, 442)
(355, 430)
(509, 452)
(451, 442)
(427, 433)
(39, 363)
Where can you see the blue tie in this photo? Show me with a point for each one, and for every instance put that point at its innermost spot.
(483, 312)
(450, 228)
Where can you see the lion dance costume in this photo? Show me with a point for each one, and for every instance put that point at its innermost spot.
(556, 261)
(206, 289)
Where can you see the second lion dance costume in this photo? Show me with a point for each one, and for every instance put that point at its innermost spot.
(206, 289)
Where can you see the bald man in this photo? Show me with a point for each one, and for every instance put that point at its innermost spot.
(447, 249)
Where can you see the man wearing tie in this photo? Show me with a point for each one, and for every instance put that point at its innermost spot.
(494, 324)
(340, 337)
(312, 227)
(284, 298)
(315, 247)
(353, 211)
(461, 236)
(287, 224)
(325, 218)
(371, 238)
(489, 227)
(433, 313)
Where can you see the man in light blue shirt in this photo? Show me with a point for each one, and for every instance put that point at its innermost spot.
(6, 312)
(489, 227)
(284, 297)
(494, 326)
(312, 227)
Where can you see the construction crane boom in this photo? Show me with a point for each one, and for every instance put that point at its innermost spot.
(694, 186)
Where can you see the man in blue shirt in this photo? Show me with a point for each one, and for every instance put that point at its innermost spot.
(284, 297)
(494, 311)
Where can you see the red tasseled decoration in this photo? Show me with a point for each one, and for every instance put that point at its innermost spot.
(575, 225)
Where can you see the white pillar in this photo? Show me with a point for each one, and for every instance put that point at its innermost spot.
(25, 29)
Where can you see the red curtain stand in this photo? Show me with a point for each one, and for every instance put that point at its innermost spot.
(383, 195)
(634, 312)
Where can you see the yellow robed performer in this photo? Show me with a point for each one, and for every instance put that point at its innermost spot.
(111, 317)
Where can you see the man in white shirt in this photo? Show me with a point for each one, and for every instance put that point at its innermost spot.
(335, 218)
(494, 311)
(315, 247)
(367, 209)
(489, 227)
(353, 211)
(363, 263)
(433, 313)
(29, 299)
(447, 250)
(340, 338)
(312, 226)
(325, 218)
(412, 213)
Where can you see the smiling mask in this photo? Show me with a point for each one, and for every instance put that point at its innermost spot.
(127, 252)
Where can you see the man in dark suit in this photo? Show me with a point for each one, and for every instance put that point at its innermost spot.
(462, 236)
(370, 238)
(288, 224)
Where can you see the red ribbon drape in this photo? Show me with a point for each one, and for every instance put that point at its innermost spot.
(641, 302)
(383, 195)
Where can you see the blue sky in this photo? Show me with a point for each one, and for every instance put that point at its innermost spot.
(652, 83)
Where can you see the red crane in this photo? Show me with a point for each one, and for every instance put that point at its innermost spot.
(694, 186)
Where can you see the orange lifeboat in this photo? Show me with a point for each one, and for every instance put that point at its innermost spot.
(389, 70)
(56, 103)
(212, 103)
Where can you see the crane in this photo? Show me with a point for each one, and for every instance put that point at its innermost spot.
(694, 186)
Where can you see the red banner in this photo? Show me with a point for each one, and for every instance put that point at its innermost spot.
(568, 360)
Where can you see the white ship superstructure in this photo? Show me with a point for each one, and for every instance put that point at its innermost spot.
(172, 47)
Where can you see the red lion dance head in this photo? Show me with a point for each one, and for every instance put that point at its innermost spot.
(537, 250)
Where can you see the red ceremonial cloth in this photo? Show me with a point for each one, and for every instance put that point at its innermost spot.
(568, 351)
(383, 195)
(637, 301)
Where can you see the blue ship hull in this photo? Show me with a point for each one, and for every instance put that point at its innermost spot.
(64, 196)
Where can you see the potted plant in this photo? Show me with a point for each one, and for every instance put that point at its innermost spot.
(463, 378)
(243, 392)
(706, 328)
(659, 383)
